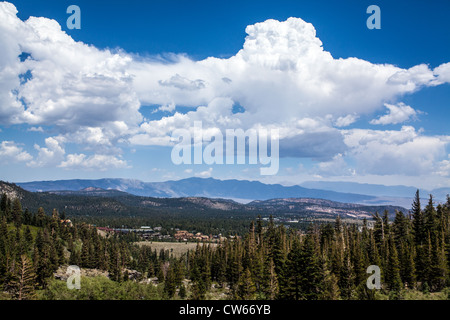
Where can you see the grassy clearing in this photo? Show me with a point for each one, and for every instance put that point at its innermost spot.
(100, 288)
(415, 295)
(33, 229)
(177, 248)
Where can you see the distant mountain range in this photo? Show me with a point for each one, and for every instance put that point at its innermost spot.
(375, 189)
(245, 191)
(98, 202)
(240, 190)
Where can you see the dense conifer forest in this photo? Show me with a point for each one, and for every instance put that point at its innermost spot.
(328, 261)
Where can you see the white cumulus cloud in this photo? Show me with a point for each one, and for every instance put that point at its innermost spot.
(50, 155)
(397, 114)
(10, 152)
(444, 168)
(282, 78)
(346, 121)
(205, 174)
(391, 152)
(95, 162)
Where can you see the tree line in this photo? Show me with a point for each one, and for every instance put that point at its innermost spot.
(34, 245)
(328, 261)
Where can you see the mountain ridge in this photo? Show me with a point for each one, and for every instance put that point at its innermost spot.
(99, 202)
(197, 187)
(245, 191)
(375, 189)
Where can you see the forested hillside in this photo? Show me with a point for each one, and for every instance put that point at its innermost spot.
(211, 216)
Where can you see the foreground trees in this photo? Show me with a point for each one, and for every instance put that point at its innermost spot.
(329, 261)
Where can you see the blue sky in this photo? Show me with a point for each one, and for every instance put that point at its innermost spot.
(359, 105)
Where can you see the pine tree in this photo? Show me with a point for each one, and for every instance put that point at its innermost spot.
(358, 262)
(278, 250)
(160, 273)
(9, 215)
(303, 272)
(18, 245)
(169, 283)
(40, 217)
(392, 270)
(338, 225)
(4, 228)
(330, 289)
(438, 268)
(41, 257)
(234, 267)
(115, 271)
(182, 292)
(17, 213)
(179, 273)
(400, 228)
(430, 220)
(150, 270)
(246, 287)
(426, 257)
(372, 251)
(53, 253)
(85, 254)
(378, 231)
(4, 245)
(346, 277)
(75, 258)
(5, 208)
(220, 265)
(27, 218)
(337, 255)
(386, 227)
(418, 221)
(259, 230)
(270, 286)
(24, 281)
(198, 284)
(407, 264)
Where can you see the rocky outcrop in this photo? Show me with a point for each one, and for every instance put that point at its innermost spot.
(62, 274)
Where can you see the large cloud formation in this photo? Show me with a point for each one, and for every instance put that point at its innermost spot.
(282, 78)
